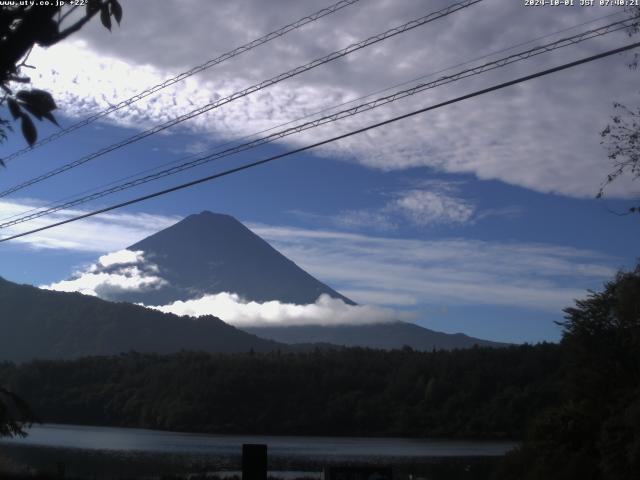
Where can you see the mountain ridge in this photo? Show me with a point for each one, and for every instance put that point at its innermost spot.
(201, 255)
(387, 336)
(37, 323)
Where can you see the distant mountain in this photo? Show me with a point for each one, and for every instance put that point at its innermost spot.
(375, 335)
(210, 253)
(37, 323)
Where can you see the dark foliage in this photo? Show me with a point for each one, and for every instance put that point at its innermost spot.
(621, 137)
(22, 26)
(474, 393)
(15, 414)
(594, 433)
(622, 140)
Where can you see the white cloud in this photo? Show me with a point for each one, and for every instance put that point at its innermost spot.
(381, 297)
(104, 284)
(401, 272)
(230, 308)
(355, 219)
(121, 257)
(103, 233)
(424, 207)
(542, 135)
(116, 272)
(433, 203)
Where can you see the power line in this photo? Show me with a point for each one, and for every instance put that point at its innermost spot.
(330, 140)
(197, 69)
(254, 88)
(318, 112)
(499, 63)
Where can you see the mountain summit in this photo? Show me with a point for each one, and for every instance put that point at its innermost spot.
(210, 253)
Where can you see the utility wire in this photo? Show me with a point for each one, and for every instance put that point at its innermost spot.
(254, 88)
(329, 140)
(318, 112)
(197, 69)
(581, 37)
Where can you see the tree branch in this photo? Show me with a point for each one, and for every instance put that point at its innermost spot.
(79, 24)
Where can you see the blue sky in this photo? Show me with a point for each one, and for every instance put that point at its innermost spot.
(479, 218)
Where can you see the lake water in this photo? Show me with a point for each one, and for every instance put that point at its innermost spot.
(138, 440)
(104, 452)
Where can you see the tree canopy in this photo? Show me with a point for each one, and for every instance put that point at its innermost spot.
(24, 25)
(594, 431)
(15, 414)
(472, 393)
(621, 137)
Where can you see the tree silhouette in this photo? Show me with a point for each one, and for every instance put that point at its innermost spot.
(622, 136)
(15, 414)
(21, 28)
(594, 433)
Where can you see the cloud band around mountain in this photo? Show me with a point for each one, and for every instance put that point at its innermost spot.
(129, 271)
(232, 309)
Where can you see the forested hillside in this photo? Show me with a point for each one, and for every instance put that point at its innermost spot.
(38, 323)
(593, 431)
(479, 392)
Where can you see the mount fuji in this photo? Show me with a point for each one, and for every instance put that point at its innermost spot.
(209, 253)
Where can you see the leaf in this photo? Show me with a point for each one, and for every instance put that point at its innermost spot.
(40, 100)
(38, 103)
(105, 17)
(14, 108)
(92, 6)
(47, 33)
(51, 118)
(29, 130)
(33, 111)
(40, 115)
(116, 10)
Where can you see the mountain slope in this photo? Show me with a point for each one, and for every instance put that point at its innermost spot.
(210, 253)
(381, 335)
(37, 323)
